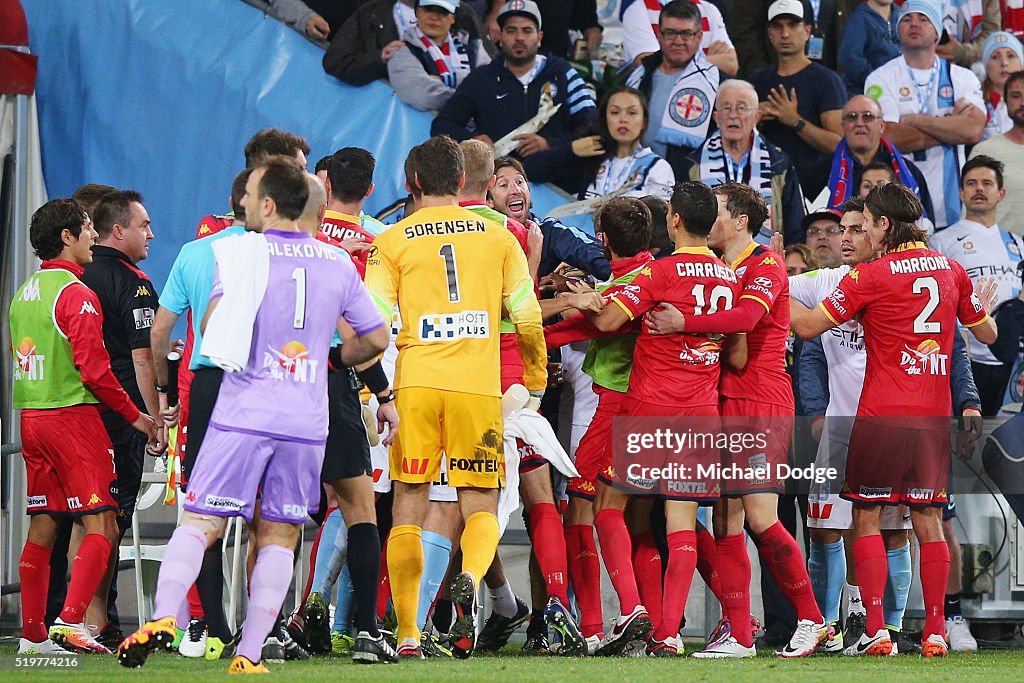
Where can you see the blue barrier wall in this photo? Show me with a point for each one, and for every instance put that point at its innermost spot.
(162, 97)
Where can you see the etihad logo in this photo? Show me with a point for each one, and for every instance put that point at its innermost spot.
(925, 359)
(292, 362)
(87, 307)
(142, 291)
(30, 365)
(30, 292)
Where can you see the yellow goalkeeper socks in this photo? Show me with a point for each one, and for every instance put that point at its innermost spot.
(405, 566)
(479, 543)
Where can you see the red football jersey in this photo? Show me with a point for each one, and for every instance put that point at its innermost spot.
(678, 370)
(213, 223)
(909, 301)
(762, 276)
(338, 227)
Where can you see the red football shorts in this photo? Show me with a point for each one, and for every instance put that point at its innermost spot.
(673, 473)
(770, 425)
(69, 461)
(899, 460)
(594, 452)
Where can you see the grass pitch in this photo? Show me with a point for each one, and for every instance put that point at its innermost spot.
(510, 666)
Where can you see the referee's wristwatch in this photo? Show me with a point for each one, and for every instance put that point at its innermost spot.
(381, 400)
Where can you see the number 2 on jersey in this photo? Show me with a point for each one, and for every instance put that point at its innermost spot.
(447, 252)
(299, 275)
(921, 323)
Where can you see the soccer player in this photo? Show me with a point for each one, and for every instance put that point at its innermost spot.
(348, 177)
(908, 301)
(449, 271)
(761, 395)
(608, 361)
(269, 424)
(829, 516)
(61, 374)
(691, 279)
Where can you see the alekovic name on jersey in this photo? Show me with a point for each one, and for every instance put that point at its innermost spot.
(444, 228)
(916, 264)
(302, 250)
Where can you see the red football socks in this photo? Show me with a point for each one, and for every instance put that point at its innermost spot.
(872, 567)
(585, 573)
(647, 568)
(682, 560)
(707, 561)
(34, 571)
(616, 550)
(783, 557)
(734, 574)
(87, 571)
(548, 538)
(934, 574)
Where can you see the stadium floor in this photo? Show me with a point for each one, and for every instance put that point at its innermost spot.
(510, 667)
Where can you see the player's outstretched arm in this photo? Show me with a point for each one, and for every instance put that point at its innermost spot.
(612, 317)
(986, 331)
(808, 322)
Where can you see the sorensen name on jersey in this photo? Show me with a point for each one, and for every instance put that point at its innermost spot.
(444, 228)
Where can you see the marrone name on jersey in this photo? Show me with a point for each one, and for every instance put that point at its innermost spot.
(444, 228)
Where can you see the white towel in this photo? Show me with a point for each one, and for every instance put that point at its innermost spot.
(508, 497)
(532, 428)
(243, 262)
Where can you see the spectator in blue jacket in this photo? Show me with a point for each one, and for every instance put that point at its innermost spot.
(498, 97)
(870, 39)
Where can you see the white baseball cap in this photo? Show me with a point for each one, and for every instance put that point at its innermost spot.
(794, 8)
(523, 8)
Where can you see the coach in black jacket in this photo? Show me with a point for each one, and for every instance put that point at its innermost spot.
(493, 101)
(357, 55)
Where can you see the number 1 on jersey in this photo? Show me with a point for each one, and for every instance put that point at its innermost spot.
(299, 275)
(447, 252)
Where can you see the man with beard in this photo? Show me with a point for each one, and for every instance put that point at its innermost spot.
(1009, 149)
(500, 96)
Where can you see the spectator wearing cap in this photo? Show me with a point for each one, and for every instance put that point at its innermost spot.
(641, 27)
(738, 153)
(968, 24)
(824, 237)
(366, 42)
(862, 149)
(680, 85)
(1002, 56)
(559, 18)
(870, 39)
(435, 58)
(746, 28)
(931, 108)
(800, 101)
(498, 97)
(1008, 148)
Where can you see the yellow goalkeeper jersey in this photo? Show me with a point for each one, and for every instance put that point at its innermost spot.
(450, 271)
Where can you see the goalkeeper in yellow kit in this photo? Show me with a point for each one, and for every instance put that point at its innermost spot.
(450, 272)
